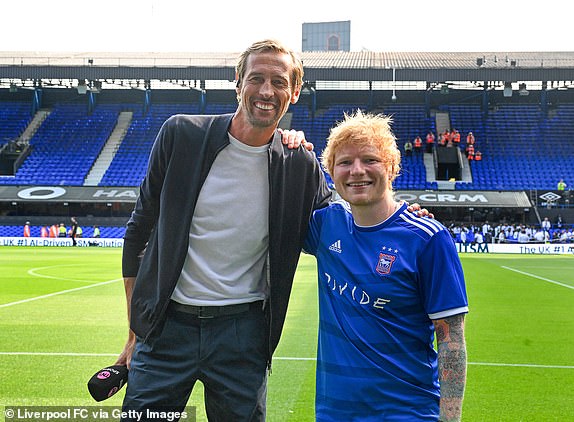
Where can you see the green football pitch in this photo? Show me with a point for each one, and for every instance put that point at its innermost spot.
(62, 317)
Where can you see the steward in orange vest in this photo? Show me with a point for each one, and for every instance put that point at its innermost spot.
(418, 143)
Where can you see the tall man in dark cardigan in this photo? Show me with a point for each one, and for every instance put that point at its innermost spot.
(212, 246)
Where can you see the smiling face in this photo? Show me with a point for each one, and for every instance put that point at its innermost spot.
(360, 175)
(363, 160)
(265, 90)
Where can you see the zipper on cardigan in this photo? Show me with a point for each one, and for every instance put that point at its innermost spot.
(266, 303)
(268, 262)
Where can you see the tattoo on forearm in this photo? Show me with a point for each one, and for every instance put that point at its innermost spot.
(452, 366)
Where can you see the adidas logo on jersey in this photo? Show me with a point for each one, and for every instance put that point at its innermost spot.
(336, 247)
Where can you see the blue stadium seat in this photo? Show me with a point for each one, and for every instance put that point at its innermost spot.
(521, 147)
(87, 232)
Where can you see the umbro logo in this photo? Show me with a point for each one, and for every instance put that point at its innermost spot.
(336, 247)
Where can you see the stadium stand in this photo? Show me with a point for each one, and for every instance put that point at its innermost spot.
(409, 121)
(14, 117)
(65, 146)
(106, 232)
(129, 164)
(522, 149)
(94, 143)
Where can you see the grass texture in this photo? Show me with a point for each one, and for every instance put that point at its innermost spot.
(62, 317)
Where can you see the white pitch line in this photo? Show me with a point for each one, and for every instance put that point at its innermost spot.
(284, 358)
(57, 354)
(31, 299)
(291, 358)
(522, 365)
(33, 272)
(538, 277)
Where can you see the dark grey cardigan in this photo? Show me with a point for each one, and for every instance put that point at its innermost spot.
(181, 158)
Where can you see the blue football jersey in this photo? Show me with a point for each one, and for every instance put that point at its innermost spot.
(379, 289)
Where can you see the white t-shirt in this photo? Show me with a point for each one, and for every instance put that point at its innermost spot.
(229, 233)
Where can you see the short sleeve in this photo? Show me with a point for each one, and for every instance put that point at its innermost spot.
(442, 278)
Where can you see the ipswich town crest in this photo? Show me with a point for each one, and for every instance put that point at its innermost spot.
(385, 263)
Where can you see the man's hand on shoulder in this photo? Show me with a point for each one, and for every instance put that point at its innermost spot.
(420, 212)
(294, 138)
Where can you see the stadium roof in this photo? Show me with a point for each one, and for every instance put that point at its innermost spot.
(319, 66)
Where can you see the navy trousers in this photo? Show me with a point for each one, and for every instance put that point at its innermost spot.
(228, 354)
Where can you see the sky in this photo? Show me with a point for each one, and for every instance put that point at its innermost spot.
(231, 26)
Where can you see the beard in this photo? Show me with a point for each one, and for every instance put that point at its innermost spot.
(255, 118)
(262, 123)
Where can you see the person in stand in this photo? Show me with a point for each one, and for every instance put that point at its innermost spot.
(561, 185)
(539, 236)
(408, 148)
(220, 220)
(418, 144)
(447, 136)
(389, 282)
(62, 230)
(470, 152)
(27, 229)
(455, 137)
(441, 140)
(74, 230)
(479, 237)
(522, 236)
(96, 232)
(430, 142)
(546, 224)
(54, 231)
(486, 227)
(488, 238)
